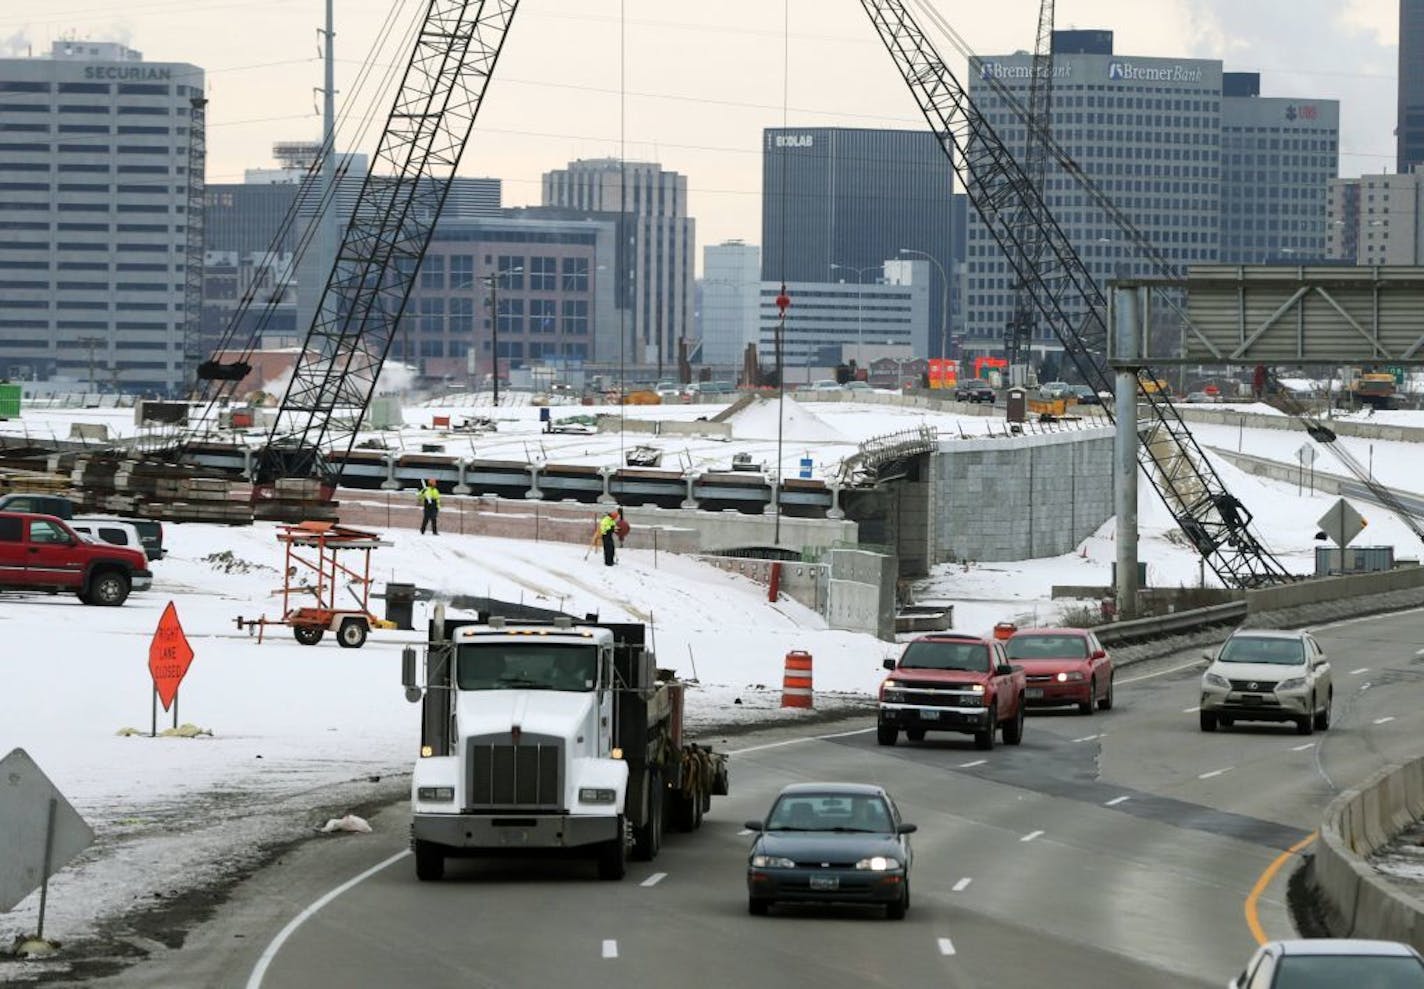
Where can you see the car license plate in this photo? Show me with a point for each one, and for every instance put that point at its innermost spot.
(929, 714)
(1251, 698)
(1033, 692)
(825, 882)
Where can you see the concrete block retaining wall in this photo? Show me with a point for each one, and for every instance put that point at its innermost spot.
(1354, 899)
(1306, 592)
(853, 590)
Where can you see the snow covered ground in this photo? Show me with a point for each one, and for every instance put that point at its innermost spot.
(291, 726)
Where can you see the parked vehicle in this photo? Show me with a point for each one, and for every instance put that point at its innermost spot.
(1054, 389)
(556, 734)
(827, 384)
(863, 386)
(1266, 675)
(150, 532)
(42, 553)
(831, 843)
(1200, 398)
(952, 682)
(1315, 962)
(1084, 395)
(1063, 666)
(115, 532)
(975, 391)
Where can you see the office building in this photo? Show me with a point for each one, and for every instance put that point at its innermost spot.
(1206, 168)
(1377, 219)
(730, 296)
(853, 197)
(94, 192)
(655, 259)
(1409, 128)
(830, 322)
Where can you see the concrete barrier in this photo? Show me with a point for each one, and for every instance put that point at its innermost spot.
(1354, 899)
(1342, 427)
(1304, 592)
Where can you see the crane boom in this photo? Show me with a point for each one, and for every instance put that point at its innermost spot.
(427, 132)
(1214, 521)
(1018, 335)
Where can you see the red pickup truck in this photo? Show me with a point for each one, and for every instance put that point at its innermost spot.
(41, 553)
(951, 682)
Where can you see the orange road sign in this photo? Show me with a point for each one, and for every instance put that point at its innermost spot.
(169, 656)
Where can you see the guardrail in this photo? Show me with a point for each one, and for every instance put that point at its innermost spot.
(1140, 629)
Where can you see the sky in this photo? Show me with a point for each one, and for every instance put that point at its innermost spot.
(692, 84)
(171, 812)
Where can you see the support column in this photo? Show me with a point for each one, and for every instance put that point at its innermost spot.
(390, 483)
(534, 494)
(462, 466)
(1127, 336)
(607, 497)
(835, 511)
(690, 501)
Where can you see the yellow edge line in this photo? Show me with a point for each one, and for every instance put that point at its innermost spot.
(1252, 920)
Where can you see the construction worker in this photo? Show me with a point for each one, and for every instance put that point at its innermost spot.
(622, 529)
(429, 499)
(607, 526)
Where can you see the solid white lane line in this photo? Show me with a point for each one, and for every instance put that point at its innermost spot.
(654, 879)
(1190, 710)
(1115, 801)
(1087, 738)
(610, 948)
(1214, 772)
(1031, 835)
(962, 885)
(1302, 748)
(1383, 721)
(971, 765)
(254, 981)
(946, 946)
(1162, 673)
(1362, 669)
(799, 741)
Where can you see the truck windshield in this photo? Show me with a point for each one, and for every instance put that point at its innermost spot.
(1048, 647)
(528, 665)
(945, 656)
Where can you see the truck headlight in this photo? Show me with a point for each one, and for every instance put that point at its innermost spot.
(435, 794)
(1294, 683)
(1216, 680)
(772, 862)
(894, 696)
(597, 795)
(878, 863)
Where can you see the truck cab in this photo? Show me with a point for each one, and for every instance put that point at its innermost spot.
(952, 682)
(42, 553)
(550, 735)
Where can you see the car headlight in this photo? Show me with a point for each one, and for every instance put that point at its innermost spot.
(597, 795)
(1294, 683)
(772, 862)
(878, 863)
(435, 794)
(1217, 680)
(1070, 675)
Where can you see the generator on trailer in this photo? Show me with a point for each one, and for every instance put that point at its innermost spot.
(550, 734)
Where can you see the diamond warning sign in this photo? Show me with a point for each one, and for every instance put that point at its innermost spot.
(169, 656)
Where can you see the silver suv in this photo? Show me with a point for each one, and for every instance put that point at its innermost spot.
(1261, 675)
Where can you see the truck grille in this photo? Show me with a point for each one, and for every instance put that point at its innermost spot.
(515, 776)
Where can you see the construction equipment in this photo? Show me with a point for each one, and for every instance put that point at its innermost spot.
(1018, 336)
(1375, 389)
(327, 612)
(1068, 298)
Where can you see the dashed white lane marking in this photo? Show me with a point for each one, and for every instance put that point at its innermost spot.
(1385, 720)
(971, 765)
(1115, 801)
(1302, 748)
(1365, 686)
(1087, 738)
(1419, 652)
(610, 948)
(1214, 772)
(946, 946)
(1190, 710)
(654, 879)
(744, 832)
(1031, 835)
(962, 885)
(1362, 669)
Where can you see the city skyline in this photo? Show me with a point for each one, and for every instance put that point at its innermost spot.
(698, 86)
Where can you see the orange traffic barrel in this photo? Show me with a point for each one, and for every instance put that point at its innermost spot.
(1004, 630)
(796, 682)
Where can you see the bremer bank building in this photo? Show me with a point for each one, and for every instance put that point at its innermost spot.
(93, 195)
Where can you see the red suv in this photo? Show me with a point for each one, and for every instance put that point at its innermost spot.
(1064, 666)
(41, 553)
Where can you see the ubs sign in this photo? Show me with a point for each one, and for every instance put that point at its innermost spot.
(795, 141)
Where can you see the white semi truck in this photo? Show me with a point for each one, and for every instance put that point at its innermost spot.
(554, 734)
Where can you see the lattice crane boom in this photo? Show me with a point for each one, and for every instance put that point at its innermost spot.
(1063, 290)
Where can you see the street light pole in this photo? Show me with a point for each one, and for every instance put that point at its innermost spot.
(944, 300)
(859, 308)
(493, 278)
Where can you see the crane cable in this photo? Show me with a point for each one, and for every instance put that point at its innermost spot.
(783, 299)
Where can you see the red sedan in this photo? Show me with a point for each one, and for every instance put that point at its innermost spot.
(1063, 666)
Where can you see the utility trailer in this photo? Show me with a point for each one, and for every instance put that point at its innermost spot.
(550, 734)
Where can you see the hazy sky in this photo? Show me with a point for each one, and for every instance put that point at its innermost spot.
(698, 81)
